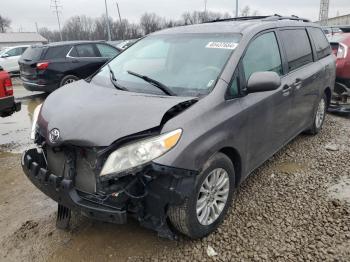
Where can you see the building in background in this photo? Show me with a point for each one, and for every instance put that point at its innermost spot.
(14, 39)
(339, 20)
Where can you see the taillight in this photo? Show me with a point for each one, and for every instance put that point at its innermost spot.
(8, 87)
(342, 51)
(42, 65)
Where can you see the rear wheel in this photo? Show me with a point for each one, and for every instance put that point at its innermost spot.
(68, 80)
(319, 116)
(205, 209)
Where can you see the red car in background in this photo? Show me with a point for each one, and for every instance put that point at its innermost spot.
(341, 48)
(7, 102)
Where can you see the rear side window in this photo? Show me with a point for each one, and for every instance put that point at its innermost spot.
(298, 48)
(15, 51)
(262, 55)
(321, 43)
(33, 53)
(57, 52)
(107, 51)
(86, 50)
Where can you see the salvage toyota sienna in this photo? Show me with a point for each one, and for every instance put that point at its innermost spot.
(167, 130)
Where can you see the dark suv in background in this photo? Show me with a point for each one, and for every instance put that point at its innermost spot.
(48, 67)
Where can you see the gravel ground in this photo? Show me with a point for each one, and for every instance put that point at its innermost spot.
(296, 207)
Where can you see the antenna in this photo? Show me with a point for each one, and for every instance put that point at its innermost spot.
(324, 9)
(55, 5)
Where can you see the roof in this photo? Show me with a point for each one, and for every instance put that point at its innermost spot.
(74, 42)
(238, 26)
(21, 38)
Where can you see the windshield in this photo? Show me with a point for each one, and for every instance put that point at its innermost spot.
(4, 50)
(187, 64)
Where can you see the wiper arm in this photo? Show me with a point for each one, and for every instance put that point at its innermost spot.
(154, 82)
(114, 80)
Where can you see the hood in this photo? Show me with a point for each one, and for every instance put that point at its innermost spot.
(91, 115)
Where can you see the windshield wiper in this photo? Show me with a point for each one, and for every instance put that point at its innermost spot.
(114, 80)
(154, 82)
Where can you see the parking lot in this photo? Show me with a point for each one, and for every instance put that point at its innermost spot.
(295, 207)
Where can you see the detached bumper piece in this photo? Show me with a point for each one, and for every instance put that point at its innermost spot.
(341, 99)
(340, 108)
(63, 192)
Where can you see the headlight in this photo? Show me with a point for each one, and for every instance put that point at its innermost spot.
(140, 152)
(35, 120)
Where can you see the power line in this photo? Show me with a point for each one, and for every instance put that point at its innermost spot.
(55, 5)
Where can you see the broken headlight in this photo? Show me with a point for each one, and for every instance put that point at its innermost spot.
(35, 120)
(140, 152)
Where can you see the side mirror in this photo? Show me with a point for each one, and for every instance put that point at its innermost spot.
(4, 56)
(263, 81)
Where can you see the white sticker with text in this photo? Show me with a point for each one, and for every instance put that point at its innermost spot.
(222, 45)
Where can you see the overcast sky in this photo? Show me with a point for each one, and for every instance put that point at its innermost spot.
(24, 13)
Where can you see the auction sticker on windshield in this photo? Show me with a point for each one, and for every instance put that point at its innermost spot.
(222, 45)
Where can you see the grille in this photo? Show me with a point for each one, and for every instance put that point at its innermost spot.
(85, 179)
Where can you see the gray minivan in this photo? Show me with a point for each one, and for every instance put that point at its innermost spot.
(166, 131)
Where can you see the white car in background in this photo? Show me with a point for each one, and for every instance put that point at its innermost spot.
(9, 57)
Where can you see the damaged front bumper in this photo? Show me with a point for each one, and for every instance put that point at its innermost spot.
(62, 190)
(165, 186)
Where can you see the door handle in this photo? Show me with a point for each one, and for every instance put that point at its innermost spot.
(297, 84)
(286, 90)
(75, 61)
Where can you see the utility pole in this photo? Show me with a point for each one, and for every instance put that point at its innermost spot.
(107, 21)
(236, 8)
(324, 9)
(55, 5)
(205, 10)
(120, 20)
(36, 26)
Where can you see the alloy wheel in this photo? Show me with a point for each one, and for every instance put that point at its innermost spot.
(212, 196)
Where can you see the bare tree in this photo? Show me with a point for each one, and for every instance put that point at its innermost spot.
(4, 24)
(245, 11)
(51, 36)
(198, 17)
(86, 28)
(150, 22)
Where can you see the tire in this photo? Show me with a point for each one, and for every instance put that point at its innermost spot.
(68, 79)
(184, 217)
(319, 116)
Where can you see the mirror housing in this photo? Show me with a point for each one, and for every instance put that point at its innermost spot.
(263, 81)
(4, 56)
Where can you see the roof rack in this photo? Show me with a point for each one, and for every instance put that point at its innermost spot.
(274, 17)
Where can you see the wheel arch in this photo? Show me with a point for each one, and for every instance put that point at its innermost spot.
(236, 160)
(328, 93)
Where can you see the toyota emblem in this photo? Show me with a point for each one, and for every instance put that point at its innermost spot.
(54, 135)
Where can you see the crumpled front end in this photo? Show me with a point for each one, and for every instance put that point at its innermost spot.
(70, 175)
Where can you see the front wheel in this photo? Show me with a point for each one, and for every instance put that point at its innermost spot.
(319, 116)
(205, 209)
